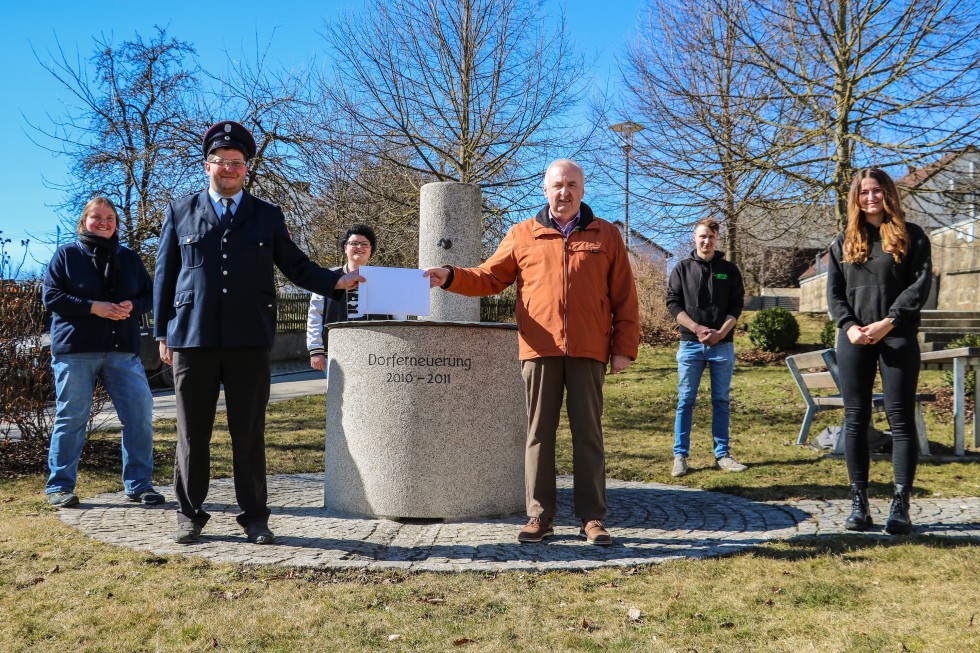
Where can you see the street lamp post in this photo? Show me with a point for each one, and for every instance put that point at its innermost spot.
(627, 129)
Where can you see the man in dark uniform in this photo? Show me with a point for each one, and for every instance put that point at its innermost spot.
(214, 302)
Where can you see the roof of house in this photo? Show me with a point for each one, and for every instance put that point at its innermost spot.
(637, 237)
(916, 176)
(819, 266)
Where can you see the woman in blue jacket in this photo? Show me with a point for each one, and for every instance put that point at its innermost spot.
(878, 279)
(96, 290)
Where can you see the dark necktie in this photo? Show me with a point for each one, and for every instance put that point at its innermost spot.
(226, 216)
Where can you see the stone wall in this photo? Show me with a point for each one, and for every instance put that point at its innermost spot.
(956, 259)
(959, 292)
(813, 294)
(770, 291)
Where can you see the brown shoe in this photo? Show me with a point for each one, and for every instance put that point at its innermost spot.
(536, 530)
(595, 533)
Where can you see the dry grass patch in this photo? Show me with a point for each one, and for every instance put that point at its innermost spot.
(62, 591)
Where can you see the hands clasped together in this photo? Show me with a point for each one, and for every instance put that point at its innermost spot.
(870, 334)
(707, 336)
(111, 311)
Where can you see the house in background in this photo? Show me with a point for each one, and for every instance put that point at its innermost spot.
(941, 198)
(813, 286)
(642, 247)
(776, 246)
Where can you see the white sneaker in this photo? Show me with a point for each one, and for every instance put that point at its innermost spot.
(680, 466)
(729, 464)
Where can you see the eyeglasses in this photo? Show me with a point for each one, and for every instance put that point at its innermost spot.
(358, 244)
(225, 163)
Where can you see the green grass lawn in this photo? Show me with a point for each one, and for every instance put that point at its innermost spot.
(61, 591)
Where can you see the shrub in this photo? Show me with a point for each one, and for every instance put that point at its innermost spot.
(657, 327)
(828, 337)
(774, 329)
(969, 340)
(26, 377)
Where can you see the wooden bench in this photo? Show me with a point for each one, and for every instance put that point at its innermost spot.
(817, 370)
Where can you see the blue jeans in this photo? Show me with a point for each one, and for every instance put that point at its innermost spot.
(692, 357)
(123, 378)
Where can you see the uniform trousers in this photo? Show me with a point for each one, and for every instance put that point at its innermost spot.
(547, 379)
(198, 376)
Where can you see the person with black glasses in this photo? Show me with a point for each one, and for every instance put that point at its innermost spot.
(215, 317)
(359, 244)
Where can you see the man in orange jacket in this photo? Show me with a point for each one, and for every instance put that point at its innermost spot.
(577, 311)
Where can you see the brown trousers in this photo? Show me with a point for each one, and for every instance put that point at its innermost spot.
(199, 374)
(547, 380)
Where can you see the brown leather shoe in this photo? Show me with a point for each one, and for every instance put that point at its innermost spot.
(536, 530)
(595, 533)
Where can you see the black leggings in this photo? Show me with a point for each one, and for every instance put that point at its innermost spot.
(897, 355)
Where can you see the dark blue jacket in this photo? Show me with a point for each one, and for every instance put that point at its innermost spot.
(216, 288)
(72, 285)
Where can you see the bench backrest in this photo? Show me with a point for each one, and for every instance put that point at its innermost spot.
(814, 370)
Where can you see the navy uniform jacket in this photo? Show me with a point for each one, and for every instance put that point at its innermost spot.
(216, 288)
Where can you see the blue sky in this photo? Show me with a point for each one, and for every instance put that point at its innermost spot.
(603, 28)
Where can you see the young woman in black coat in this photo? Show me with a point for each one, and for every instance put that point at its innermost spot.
(879, 276)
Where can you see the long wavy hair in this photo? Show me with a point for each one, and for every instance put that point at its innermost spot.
(894, 234)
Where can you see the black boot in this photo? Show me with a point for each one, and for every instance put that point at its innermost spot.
(899, 522)
(860, 517)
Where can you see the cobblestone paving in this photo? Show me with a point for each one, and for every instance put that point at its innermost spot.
(650, 523)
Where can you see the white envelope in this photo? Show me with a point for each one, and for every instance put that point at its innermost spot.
(394, 291)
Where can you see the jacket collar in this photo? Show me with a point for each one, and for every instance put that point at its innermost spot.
(719, 255)
(205, 209)
(543, 218)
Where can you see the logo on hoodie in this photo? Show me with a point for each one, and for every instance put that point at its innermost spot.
(722, 276)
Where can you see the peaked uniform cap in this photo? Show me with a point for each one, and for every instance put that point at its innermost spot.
(229, 133)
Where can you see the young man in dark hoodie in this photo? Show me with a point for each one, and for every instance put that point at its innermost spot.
(705, 295)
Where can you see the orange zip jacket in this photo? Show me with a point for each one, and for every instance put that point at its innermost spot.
(574, 297)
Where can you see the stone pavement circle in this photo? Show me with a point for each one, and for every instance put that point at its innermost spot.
(652, 523)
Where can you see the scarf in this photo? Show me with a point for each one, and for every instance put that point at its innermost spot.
(105, 257)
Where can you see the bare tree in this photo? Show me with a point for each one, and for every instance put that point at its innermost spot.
(135, 132)
(459, 90)
(882, 82)
(354, 189)
(282, 111)
(129, 131)
(703, 151)
(10, 270)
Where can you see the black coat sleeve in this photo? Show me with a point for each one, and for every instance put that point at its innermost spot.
(737, 300)
(841, 311)
(675, 292)
(907, 306)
